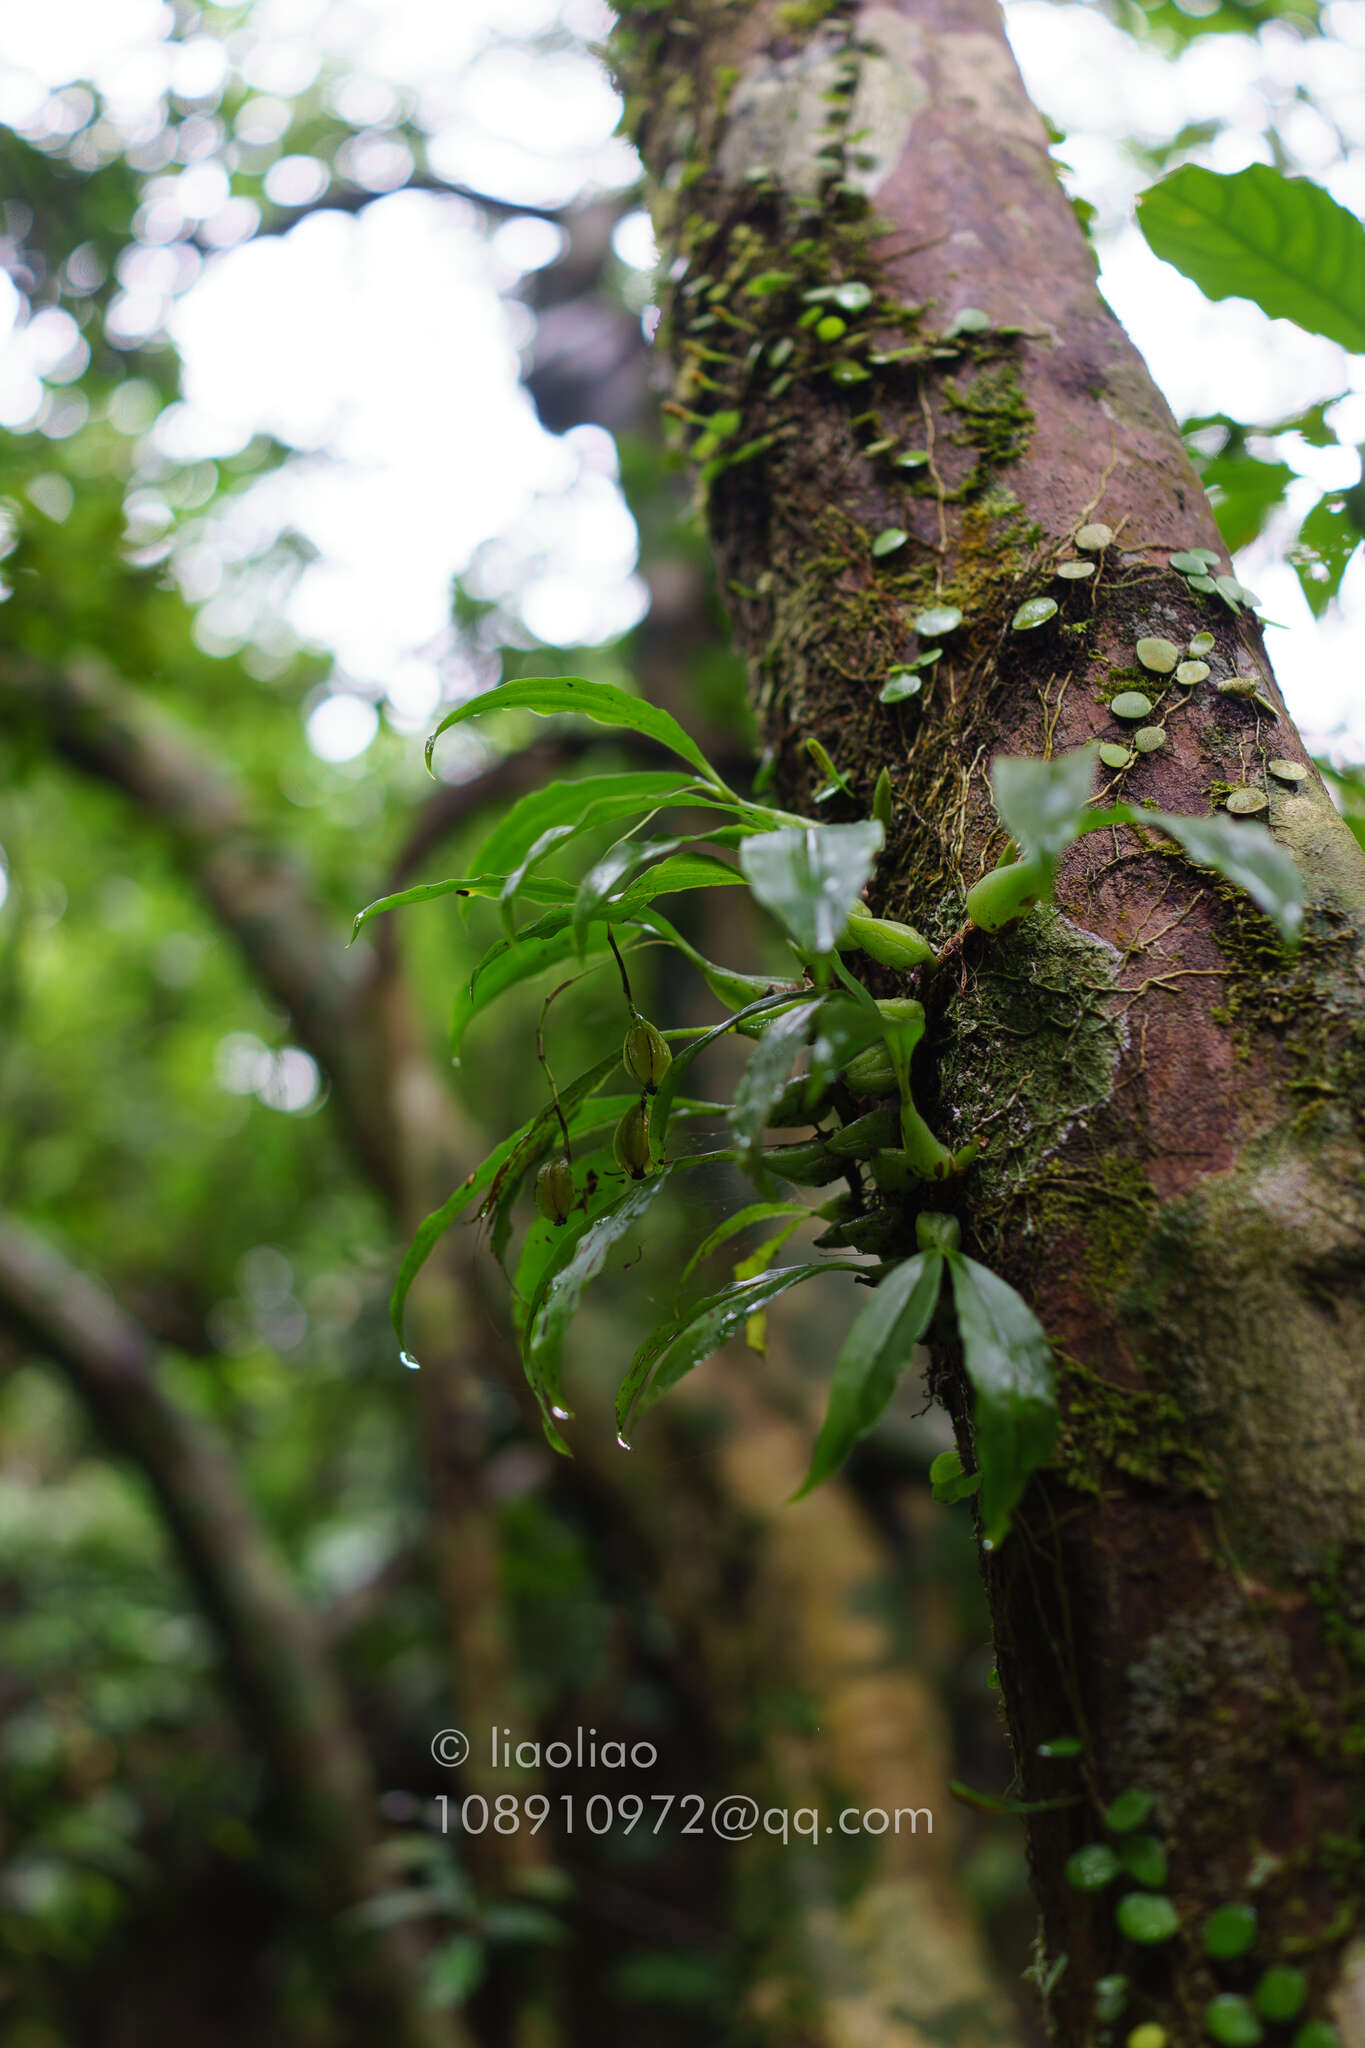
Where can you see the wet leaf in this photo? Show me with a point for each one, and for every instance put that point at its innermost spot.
(810, 879)
(1009, 1363)
(875, 1353)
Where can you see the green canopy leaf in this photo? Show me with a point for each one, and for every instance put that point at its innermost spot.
(1009, 1363)
(811, 878)
(875, 1353)
(1282, 242)
(575, 695)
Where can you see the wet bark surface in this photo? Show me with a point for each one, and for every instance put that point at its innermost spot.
(881, 320)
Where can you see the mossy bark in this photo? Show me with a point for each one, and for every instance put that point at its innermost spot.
(902, 391)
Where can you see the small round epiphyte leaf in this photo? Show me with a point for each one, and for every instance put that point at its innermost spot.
(1061, 1746)
(831, 328)
(937, 620)
(1205, 585)
(1229, 1932)
(912, 458)
(1094, 539)
(1200, 645)
(1148, 2035)
(1209, 555)
(1188, 563)
(1075, 571)
(1128, 1811)
(849, 373)
(1230, 2021)
(1111, 1995)
(1115, 756)
(1147, 1918)
(971, 320)
(1317, 2034)
(1131, 704)
(1150, 739)
(900, 684)
(1191, 672)
(1288, 771)
(1281, 1992)
(1159, 655)
(889, 540)
(852, 297)
(1034, 611)
(1090, 1869)
(1144, 1859)
(1245, 801)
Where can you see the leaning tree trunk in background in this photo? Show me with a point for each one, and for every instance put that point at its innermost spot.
(1175, 1171)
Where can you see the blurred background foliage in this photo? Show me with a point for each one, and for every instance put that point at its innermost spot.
(326, 400)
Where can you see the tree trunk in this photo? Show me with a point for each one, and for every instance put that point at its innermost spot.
(1175, 1166)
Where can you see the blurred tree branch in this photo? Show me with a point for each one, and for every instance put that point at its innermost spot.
(271, 1640)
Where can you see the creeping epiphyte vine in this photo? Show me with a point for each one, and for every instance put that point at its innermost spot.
(827, 1058)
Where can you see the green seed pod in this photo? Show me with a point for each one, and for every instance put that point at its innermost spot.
(555, 1191)
(646, 1056)
(865, 1135)
(630, 1141)
(890, 943)
(809, 1166)
(871, 1073)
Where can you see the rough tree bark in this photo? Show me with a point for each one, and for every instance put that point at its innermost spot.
(1175, 1173)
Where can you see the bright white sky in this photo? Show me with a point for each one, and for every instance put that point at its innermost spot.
(379, 347)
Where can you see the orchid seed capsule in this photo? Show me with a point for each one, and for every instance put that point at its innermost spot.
(630, 1141)
(555, 1191)
(646, 1056)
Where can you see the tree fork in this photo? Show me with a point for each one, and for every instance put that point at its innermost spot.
(904, 394)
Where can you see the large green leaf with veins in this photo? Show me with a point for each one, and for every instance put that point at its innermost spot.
(1281, 242)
